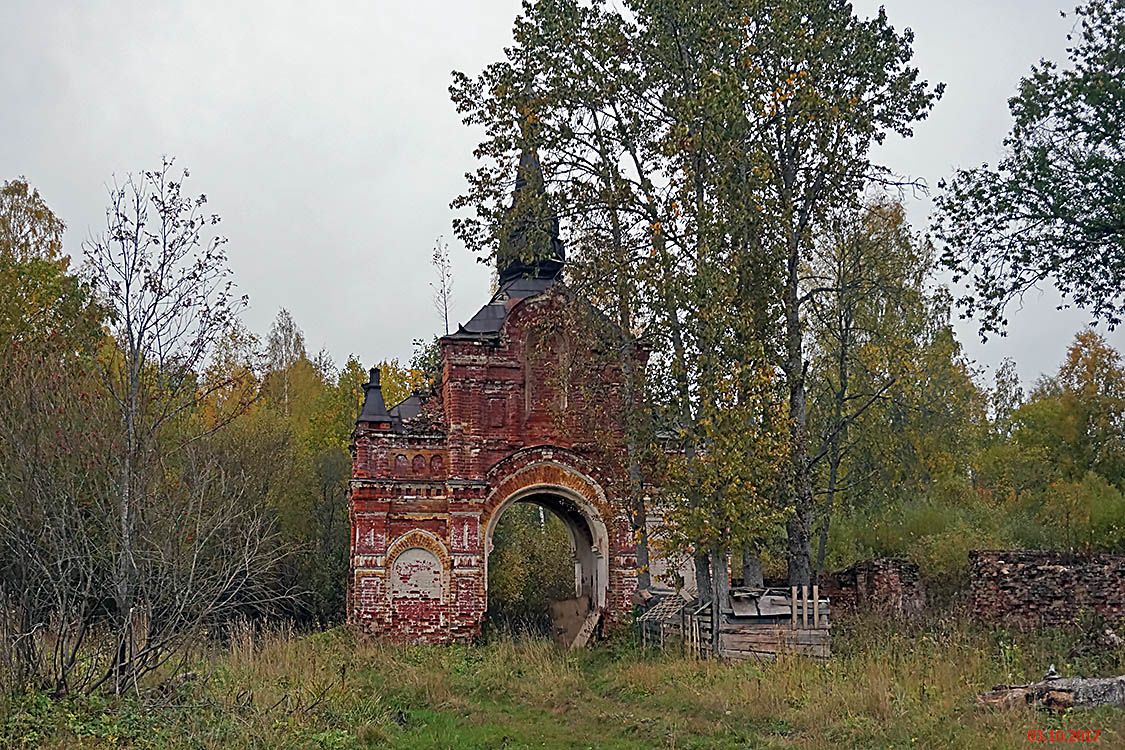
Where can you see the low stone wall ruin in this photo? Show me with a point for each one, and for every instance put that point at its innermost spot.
(885, 585)
(1029, 588)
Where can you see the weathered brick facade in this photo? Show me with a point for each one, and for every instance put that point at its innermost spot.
(426, 491)
(529, 408)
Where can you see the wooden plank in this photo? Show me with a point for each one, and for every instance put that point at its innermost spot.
(793, 607)
(757, 640)
(754, 628)
(767, 628)
(587, 630)
(818, 634)
(745, 654)
(737, 640)
(803, 651)
(749, 656)
(816, 605)
(787, 636)
(769, 635)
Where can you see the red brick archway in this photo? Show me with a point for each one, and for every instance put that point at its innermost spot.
(431, 477)
(527, 408)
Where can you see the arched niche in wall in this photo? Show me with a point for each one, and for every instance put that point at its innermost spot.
(416, 573)
(548, 371)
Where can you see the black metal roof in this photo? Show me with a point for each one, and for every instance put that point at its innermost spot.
(408, 408)
(374, 411)
(490, 319)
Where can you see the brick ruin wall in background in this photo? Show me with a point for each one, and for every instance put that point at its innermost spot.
(1028, 588)
(884, 585)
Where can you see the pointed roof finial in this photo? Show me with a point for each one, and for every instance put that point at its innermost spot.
(374, 410)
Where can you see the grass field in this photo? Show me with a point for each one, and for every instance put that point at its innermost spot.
(887, 686)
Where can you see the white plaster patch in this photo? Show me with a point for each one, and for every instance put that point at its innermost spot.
(416, 574)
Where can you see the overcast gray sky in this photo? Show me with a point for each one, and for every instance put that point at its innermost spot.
(324, 136)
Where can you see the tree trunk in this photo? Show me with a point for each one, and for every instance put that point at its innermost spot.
(626, 352)
(839, 424)
(720, 587)
(799, 524)
(829, 505)
(752, 577)
(124, 582)
(702, 576)
(834, 459)
(1059, 694)
(644, 572)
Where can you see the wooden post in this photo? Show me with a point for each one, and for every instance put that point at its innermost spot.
(804, 605)
(793, 609)
(816, 605)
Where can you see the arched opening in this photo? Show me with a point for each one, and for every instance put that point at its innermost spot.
(531, 565)
(545, 567)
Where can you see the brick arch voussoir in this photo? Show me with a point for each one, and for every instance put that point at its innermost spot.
(549, 468)
(530, 311)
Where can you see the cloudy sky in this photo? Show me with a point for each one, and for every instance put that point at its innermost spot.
(326, 139)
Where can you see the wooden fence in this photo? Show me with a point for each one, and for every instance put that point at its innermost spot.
(687, 627)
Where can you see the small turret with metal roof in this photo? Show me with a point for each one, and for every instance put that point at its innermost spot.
(374, 410)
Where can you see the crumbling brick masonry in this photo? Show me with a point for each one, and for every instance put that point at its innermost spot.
(1028, 588)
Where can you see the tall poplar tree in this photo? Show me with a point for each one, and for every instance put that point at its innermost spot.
(703, 144)
(1053, 208)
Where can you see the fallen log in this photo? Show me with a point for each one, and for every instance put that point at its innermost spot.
(1059, 693)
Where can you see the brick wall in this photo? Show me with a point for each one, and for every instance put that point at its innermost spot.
(1028, 588)
(885, 585)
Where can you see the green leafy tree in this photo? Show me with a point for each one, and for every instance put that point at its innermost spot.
(424, 372)
(822, 87)
(704, 146)
(1053, 209)
(866, 322)
(1076, 419)
(28, 227)
(52, 539)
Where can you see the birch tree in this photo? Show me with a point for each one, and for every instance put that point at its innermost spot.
(186, 548)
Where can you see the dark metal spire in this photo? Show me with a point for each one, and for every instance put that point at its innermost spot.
(374, 410)
(530, 247)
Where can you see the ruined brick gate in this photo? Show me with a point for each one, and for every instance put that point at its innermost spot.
(527, 409)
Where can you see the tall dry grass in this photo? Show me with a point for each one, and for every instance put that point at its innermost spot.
(888, 685)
